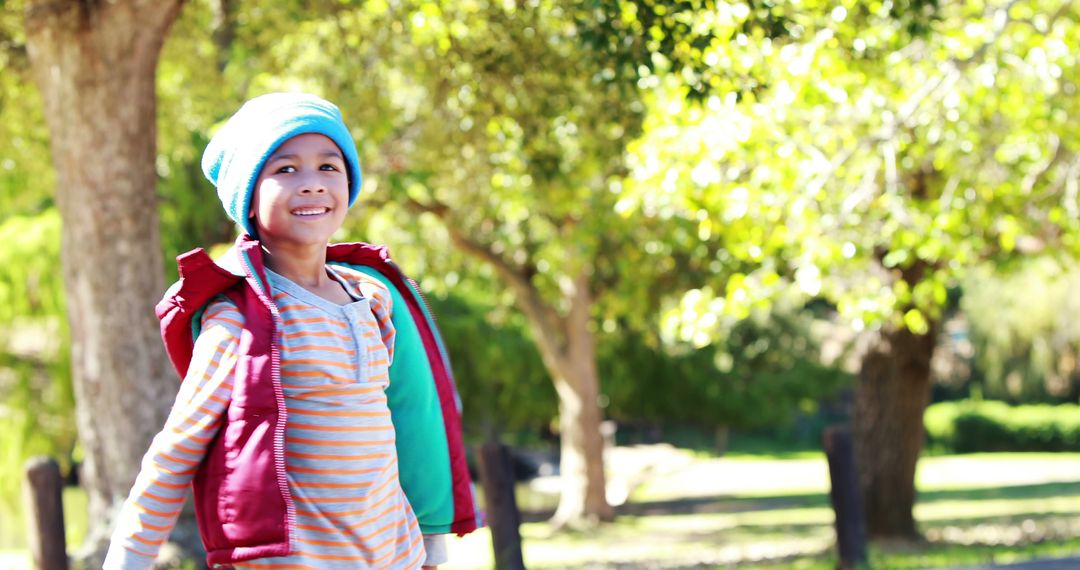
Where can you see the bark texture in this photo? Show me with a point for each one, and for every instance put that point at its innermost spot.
(94, 63)
(892, 394)
(581, 459)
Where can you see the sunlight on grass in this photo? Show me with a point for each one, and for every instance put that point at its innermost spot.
(956, 510)
(931, 556)
(14, 559)
(76, 526)
(725, 476)
(996, 470)
(775, 513)
(754, 513)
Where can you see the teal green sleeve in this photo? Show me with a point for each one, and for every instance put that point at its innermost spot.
(423, 453)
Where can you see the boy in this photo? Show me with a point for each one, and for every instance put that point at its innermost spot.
(317, 420)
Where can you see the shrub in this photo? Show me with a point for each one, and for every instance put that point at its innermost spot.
(969, 426)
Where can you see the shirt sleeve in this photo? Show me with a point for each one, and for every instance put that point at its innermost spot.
(435, 550)
(151, 509)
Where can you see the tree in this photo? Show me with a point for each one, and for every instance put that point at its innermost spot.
(94, 64)
(883, 157)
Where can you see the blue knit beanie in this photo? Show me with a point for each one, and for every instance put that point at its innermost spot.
(236, 154)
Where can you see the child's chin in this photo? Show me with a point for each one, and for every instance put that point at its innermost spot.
(302, 238)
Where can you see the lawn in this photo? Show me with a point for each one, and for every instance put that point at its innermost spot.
(12, 557)
(766, 512)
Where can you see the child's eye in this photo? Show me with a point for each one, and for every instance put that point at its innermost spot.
(328, 167)
(289, 169)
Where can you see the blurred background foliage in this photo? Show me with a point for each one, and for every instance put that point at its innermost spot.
(744, 179)
(1024, 335)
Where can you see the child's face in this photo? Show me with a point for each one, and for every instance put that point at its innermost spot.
(302, 192)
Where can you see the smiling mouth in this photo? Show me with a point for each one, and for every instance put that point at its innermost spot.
(310, 211)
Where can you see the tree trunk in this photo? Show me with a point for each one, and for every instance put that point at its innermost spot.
(583, 496)
(94, 63)
(892, 394)
(568, 348)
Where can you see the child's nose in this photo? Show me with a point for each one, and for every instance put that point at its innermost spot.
(312, 184)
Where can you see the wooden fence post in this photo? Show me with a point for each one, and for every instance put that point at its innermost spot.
(846, 497)
(42, 496)
(497, 477)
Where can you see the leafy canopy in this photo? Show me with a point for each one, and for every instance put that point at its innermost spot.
(882, 162)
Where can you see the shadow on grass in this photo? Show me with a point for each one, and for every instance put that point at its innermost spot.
(1010, 520)
(793, 531)
(1013, 529)
(699, 505)
(741, 504)
(1036, 491)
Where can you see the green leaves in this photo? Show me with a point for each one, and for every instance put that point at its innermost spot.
(36, 397)
(893, 150)
(30, 284)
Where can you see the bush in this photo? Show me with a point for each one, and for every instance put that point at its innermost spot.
(969, 426)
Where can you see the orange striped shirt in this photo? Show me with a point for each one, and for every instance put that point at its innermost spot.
(341, 459)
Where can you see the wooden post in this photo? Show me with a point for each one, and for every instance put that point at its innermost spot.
(846, 497)
(42, 496)
(497, 476)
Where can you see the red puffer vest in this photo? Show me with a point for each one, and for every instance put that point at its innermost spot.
(242, 501)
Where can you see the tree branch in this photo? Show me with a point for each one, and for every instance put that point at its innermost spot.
(1033, 177)
(1072, 187)
(223, 30)
(1051, 21)
(950, 75)
(905, 113)
(549, 325)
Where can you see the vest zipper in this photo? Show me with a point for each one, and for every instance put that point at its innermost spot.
(279, 397)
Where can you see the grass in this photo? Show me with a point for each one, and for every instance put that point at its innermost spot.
(14, 557)
(932, 556)
(758, 512)
(12, 525)
(752, 512)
